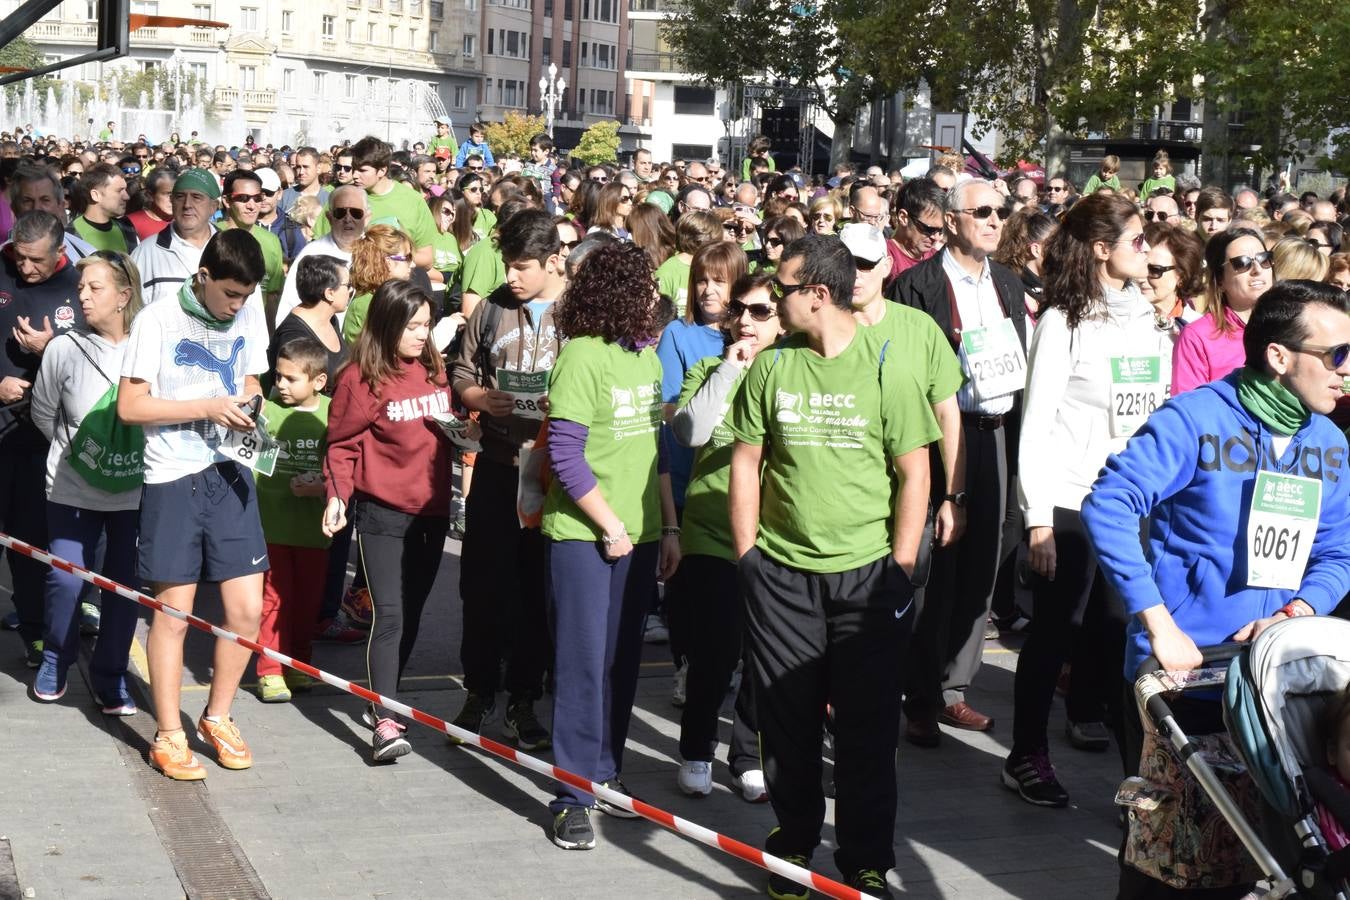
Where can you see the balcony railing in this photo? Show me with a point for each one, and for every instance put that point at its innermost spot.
(654, 6)
(1164, 130)
(87, 32)
(264, 99)
(655, 62)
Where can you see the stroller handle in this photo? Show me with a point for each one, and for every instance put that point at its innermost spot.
(1219, 653)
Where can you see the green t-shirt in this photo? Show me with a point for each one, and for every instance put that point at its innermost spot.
(920, 346)
(401, 207)
(745, 167)
(830, 429)
(287, 519)
(1097, 181)
(672, 280)
(437, 143)
(355, 317)
(484, 270)
(616, 394)
(483, 222)
(1148, 187)
(446, 249)
(275, 277)
(110, 238)
(707, 523)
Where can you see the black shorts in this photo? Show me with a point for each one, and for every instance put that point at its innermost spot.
(201, 527)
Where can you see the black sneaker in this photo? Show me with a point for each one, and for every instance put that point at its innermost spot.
(781, 888)
(871, 882)
(572, 829)
(610, 809)
(388, 742)
(525, 727)
(477, 708)
(1033, 778)
(32, 654)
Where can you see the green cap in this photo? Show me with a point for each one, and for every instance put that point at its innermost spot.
(661, 200)
(198, 180)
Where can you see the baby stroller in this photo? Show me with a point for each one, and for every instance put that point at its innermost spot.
(1273, 692)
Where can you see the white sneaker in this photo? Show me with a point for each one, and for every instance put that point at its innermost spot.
(678, 692)
(695, 778)
(752, 786)
(655, 631)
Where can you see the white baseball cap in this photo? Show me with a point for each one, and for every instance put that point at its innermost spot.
(864, 241)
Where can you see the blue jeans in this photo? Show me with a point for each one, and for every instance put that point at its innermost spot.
(597, 609)
(74, 535)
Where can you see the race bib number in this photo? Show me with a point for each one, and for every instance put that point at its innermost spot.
(998, 364)
(462, 432)
(526, 388)
(1281, 525)
(1136, 391)
(254, 449)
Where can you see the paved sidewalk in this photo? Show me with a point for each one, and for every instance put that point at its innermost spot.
(316, 819)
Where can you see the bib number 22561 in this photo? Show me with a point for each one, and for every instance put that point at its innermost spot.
(1281, 525)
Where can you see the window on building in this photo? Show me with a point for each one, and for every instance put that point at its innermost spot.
(604, 56)
(567, 10)
(370, 33)
(287, 20)
(513, 42)
(288, 81)
(433, 41)
(460, 97)
(349, 90)
(372, 87)
(396, 5)
(691, 151)
(492, 42)
(471, 5)
(248, 78)
(438, 9)
(412, 39)
(328, 24)
(199, 10)
(548, 8)
(547, 51)
(91, 10)
(585, 54)
(149, 65)
(248, 18)
(567, 53)
(351, 31)
(320, 84)
(694, 101)
(197, 71)
(470, 45)
(1181, 109)
(147, 7)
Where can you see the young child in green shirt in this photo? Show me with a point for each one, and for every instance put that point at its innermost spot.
(290, 504)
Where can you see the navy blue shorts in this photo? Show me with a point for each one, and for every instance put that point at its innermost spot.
(201, 527)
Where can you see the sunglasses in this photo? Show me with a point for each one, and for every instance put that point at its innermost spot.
(931, 231)
(1158, 271)
(774, 241)
(398, 257)
(760, 312)
(1137, 243)
(475, 168)
(780, 290)
(984, 212)
(569, 244)
(1332, 357)
(142, 156)
(826, 217)
(865, 265)
(341, 212)
(246, 198)
(1157, 215)
(1243, 264)
(342, 168)
(1057, 189)
(625, 198)
(267, 193)
(601, 180)
(1313, 242)
(131, 170)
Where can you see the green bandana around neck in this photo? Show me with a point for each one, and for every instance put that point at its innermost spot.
(1271, 402)
(187, 299)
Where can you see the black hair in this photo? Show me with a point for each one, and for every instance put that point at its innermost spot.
(1278, 317)
(305, 352)
(542, 141)
(529, 234)
(235, 255)
(316, 275)
(920, 194)
(371, 151)
(237, 176)
(827, 262)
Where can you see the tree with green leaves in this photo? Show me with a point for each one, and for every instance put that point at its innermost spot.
(511, 136)
(598, 144)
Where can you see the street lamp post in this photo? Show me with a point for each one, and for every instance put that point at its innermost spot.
(551, 93)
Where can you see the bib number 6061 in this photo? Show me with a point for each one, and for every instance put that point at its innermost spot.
(1275, 543)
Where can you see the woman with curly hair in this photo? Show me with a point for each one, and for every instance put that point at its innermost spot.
(383, 253)
(609, 517)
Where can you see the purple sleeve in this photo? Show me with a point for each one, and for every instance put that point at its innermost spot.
(567, 452)
(663, 452)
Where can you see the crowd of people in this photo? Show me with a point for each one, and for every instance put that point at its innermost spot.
(798, 431)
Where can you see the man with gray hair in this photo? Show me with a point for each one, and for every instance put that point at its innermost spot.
(347, 213)
(35, 186)
(979, 305)
(39, 298)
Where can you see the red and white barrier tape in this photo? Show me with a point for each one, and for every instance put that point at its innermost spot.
(680, 826)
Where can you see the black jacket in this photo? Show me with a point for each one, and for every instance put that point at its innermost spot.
(925, 288)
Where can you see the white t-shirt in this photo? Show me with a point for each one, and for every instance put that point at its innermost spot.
(290, 298)
(182, 359)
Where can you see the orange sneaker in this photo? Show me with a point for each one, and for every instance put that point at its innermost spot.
(223, 736)
(172, 756)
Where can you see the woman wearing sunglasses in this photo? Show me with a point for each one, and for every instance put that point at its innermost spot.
(1176, 276)
(705, 588)
(825, 214)
(1240, 270)
(778, 233)
(612, 208)
(1094, 374)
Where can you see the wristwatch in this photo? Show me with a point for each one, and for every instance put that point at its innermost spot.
(958, 499)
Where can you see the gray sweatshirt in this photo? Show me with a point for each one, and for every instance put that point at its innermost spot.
(694, 422)
(67, 387)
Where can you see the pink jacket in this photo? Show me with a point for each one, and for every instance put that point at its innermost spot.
(1203, 353)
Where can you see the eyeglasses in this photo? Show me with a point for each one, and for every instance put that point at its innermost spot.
(865, 265)
(822, 217)
(1157, 215)
(1159, 271)
(984, 212)
(1137, 243)
(1332, 357)
(475, 168)
(738, 230)
(267, 193)
(869, 218)
(342, 168)
(774, 240)
(603, 179)
(625, 198)
(142, 156)
(341, 212)
(760, 312)
(246, 198)
(131, 170)
(781, 290)
(398, 257)
(927, 230)
(569, 244)
(1242, 264)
